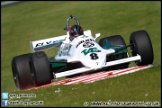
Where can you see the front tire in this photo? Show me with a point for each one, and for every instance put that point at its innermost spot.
(142, 46)
(21, 72)
(111, 41)
(40, 68)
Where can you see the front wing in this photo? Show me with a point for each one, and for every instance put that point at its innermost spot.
(85, 69)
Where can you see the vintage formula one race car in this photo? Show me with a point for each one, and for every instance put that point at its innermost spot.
(85, 55)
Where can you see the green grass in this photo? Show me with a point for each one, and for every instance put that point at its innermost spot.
(30, 21)
(130, 87)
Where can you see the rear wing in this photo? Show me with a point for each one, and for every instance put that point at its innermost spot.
(44, 44)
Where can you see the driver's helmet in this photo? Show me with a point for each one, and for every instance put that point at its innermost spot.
(75, 31)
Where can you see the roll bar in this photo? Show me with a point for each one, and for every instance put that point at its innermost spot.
(68, 20)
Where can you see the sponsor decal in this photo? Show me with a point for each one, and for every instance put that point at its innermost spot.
(47, 44)
(84, 41)
(90, 50)
(88, 44)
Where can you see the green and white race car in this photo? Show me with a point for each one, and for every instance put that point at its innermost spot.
(84, 55)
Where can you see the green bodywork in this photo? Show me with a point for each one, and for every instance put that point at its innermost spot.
(115, 47)
(55, 64)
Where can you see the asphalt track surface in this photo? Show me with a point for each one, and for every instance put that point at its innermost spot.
(10, 3)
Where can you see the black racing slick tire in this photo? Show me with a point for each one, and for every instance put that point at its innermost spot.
(21, 72)
(40, 68)
(141, 44)
(114, 40)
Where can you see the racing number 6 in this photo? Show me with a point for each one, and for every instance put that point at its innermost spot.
(94, 56)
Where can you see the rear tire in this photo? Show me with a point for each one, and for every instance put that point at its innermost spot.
(21, 72)
(142, 46)
(110, 41)
(40, 68)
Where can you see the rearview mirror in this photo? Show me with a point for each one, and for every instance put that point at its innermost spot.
(97, 35)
